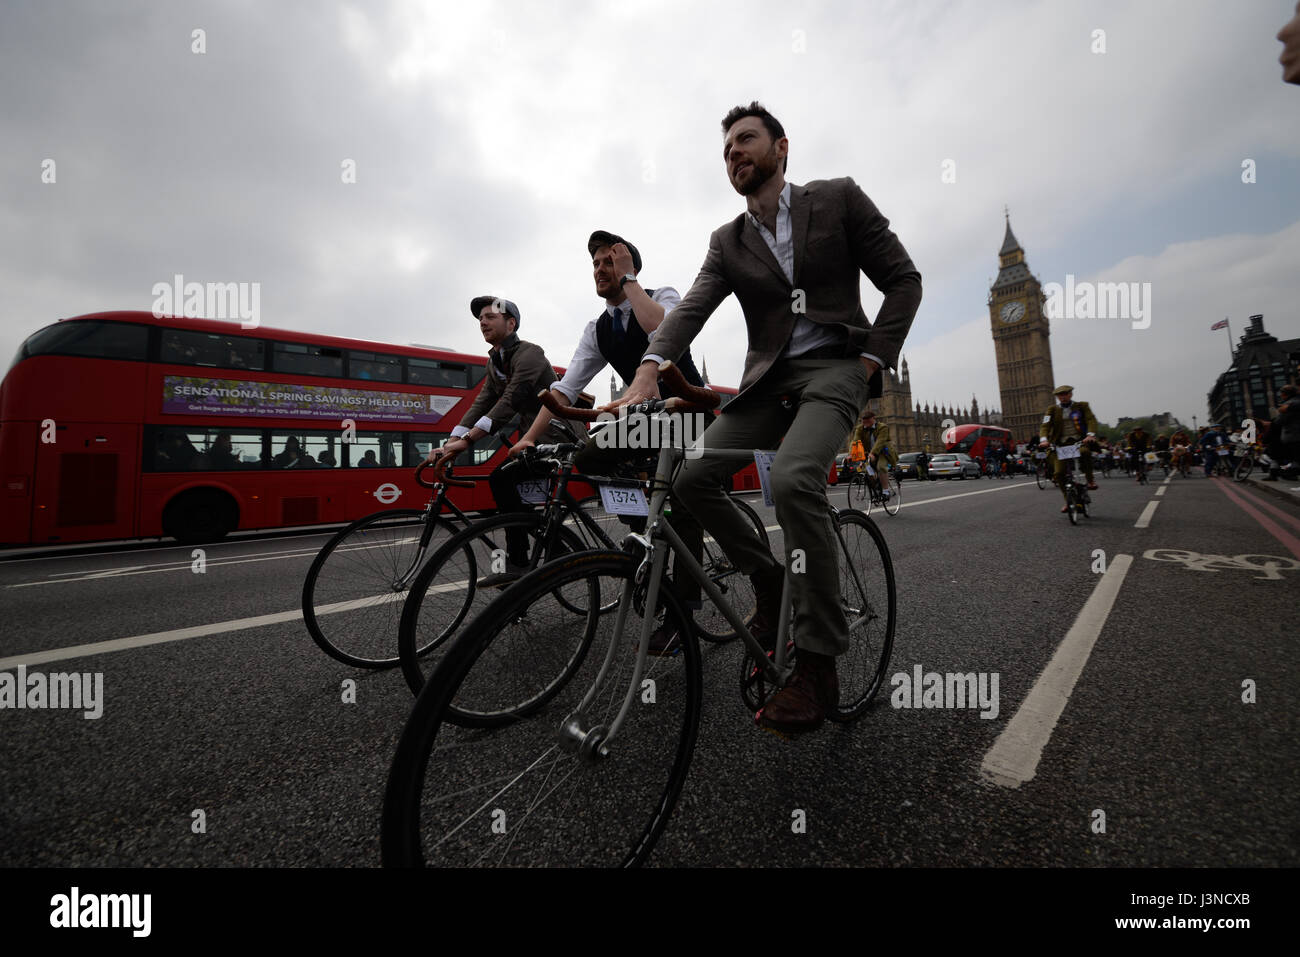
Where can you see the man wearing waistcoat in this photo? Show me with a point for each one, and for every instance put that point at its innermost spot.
(618, 337)
(794, 259)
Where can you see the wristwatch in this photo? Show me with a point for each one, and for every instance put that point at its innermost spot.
(630, 277)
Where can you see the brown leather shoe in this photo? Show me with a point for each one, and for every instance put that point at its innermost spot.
(664, 641)
(765, 620)
(801, 705)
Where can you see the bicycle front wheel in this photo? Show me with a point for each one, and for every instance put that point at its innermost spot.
(870, 601)
(519, 795)
(860, 492)
(895, 500)
(446, 593)
(1244, 468)
(710, 624)
(352, 596)
(1043, 481)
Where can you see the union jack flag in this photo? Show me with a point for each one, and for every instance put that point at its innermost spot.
(1221, 324)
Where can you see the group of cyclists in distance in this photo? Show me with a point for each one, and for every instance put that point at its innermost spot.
(1134, 454)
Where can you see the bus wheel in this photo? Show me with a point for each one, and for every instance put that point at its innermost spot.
(199, 516)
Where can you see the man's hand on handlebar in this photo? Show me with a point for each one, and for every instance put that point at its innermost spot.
(520, 447)
(446, 455)
(644, 385)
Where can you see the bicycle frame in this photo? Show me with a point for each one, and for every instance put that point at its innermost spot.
(659, 538)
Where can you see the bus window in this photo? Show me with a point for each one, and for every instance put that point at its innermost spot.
(373, 366)
(204, 349)
(308, 360)
(101, 340)
(201, 449)
(448, 375)
(306, 450)
(375, 450)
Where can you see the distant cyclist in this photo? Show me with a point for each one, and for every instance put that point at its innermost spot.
(1065, 423)
(1139, 444)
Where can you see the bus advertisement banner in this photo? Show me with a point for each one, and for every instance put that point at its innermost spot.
(190, 395)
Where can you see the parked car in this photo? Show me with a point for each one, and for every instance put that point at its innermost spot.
(907, 465)
(954, 465)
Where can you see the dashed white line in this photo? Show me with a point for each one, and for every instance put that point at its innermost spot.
(1161, 490)
(1145, 518)
(1015, 755)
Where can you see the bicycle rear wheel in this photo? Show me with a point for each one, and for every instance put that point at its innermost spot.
(352, 596)
(445, 594)
(870, 602)
(515, 795)
(710, 624)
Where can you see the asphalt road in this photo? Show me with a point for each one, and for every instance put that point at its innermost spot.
(209, 706)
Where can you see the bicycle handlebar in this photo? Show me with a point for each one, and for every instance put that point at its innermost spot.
(689, 398)
(440, 477)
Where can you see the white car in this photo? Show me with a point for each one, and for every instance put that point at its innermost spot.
(953, 465)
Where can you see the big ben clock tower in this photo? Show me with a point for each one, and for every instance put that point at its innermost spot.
(1020, 341)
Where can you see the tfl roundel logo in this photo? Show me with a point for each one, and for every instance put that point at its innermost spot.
(387, 493)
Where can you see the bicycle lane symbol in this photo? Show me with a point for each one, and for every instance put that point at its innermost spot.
(1272, 565)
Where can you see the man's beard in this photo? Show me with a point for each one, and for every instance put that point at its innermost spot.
(762, 170)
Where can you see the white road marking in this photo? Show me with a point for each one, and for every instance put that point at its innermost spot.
(1015, 755)
(59, 578)
(202, 631)
(1161, 490)
(1145, 518)
(928, 501)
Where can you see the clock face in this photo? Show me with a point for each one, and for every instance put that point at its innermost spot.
(1013, 312)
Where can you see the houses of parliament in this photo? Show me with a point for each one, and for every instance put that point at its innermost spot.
(1024, 359)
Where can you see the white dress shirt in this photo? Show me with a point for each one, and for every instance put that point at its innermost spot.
(587, 361)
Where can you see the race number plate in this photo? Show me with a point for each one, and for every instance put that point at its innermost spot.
(534, 491)
(1064, 452)
(623, 501)
(1152, 458)
(1040, 455)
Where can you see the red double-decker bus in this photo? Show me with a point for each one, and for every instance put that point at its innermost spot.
(122, 425)
(977, 440)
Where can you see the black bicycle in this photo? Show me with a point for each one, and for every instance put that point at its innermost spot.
(446, 592)
(351, 598)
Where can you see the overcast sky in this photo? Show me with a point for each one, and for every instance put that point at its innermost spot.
(490, 139)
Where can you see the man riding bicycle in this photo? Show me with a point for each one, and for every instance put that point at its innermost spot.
(794, 259)
(517, 371)
(873, 437)
(617, 337)
(1139, 444)
(1065, 423)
